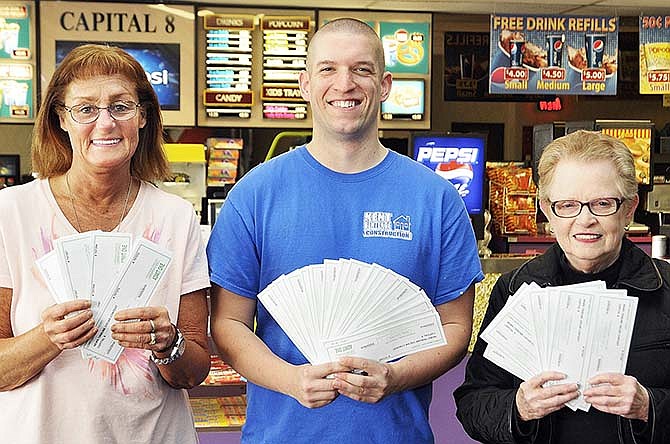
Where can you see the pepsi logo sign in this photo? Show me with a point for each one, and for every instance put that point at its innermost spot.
(444, 154)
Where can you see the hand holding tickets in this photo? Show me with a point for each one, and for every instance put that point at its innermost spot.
(101, 266)
(350, 308)
(580, 330)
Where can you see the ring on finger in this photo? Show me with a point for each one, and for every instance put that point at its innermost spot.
(152, 341)
(153, 327)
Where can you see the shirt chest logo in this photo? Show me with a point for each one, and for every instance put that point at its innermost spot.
(384, 224)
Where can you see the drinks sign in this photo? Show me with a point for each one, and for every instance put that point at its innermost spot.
(569, 55)
(655, 54)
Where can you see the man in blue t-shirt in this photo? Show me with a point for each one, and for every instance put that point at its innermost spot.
(325, 200)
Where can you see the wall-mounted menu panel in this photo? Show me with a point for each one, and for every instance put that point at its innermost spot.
(249, 65)
(159, 36)
(407, 41)
(17, 62)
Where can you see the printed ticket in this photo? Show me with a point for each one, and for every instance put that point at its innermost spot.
(50, 270)
(75, 255)
(390, 342)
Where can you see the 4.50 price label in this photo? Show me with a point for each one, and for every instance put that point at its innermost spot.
(658, 76)
(552, 73)
(516, 73)
(593, 75)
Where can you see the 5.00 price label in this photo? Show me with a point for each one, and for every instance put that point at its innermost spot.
(593, 75)
(516, 73)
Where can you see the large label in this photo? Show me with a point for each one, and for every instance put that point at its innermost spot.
(553, 55)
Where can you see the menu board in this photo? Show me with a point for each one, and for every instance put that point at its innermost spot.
(228, 65)
(284, 56)
(655, 54)
(249, 67)
(17, 62)
(568, 55)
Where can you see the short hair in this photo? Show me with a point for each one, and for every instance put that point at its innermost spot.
(355, 27)
(51, 148)
(588, 146)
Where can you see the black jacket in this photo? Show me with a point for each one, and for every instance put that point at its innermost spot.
(486, 401)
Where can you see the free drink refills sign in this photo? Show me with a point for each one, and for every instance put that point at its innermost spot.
(553, 55)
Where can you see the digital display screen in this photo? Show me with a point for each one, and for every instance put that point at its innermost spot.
(459, 158)
(406, 100)
(159, 60)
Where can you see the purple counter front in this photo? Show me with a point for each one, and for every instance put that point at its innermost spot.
(446, 427)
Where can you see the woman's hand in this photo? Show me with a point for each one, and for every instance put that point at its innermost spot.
(369, 382)
(70, 324)
(148, 328)
(619, 395)
(534, 401)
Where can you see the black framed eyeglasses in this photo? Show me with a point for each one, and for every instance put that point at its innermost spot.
(86, 113)
(603, 206)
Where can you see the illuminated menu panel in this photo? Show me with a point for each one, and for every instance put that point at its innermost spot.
(17, 72)
(228, 60)
(284, 57)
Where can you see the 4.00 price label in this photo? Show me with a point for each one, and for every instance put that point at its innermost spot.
(516, 73)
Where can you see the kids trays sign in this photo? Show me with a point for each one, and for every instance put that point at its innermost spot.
(565, 55)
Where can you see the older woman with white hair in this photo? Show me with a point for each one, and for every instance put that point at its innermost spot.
(588, 191)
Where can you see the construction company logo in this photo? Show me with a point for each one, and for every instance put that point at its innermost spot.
(383, 224)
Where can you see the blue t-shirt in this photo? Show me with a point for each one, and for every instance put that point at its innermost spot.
(291, 212)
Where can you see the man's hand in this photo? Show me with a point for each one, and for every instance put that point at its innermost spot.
(366, 381)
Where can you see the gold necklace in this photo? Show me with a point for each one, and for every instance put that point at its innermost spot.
(74, 209)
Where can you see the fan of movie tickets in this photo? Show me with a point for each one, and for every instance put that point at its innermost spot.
(350, 308)
(580, 330)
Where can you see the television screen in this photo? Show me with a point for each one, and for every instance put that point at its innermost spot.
(405, 101)
(159, 60)
(637, 136)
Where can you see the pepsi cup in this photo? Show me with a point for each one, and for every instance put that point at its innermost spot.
(555, 50)
(516, 52)
(595, 49)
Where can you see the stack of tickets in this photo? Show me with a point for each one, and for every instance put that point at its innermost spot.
(581, 330)
(350, 308)
(108, 269)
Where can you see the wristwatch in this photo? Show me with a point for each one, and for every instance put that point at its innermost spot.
(177, 350)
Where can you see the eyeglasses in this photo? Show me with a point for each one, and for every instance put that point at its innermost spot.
(604, 206)
(87, 113)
